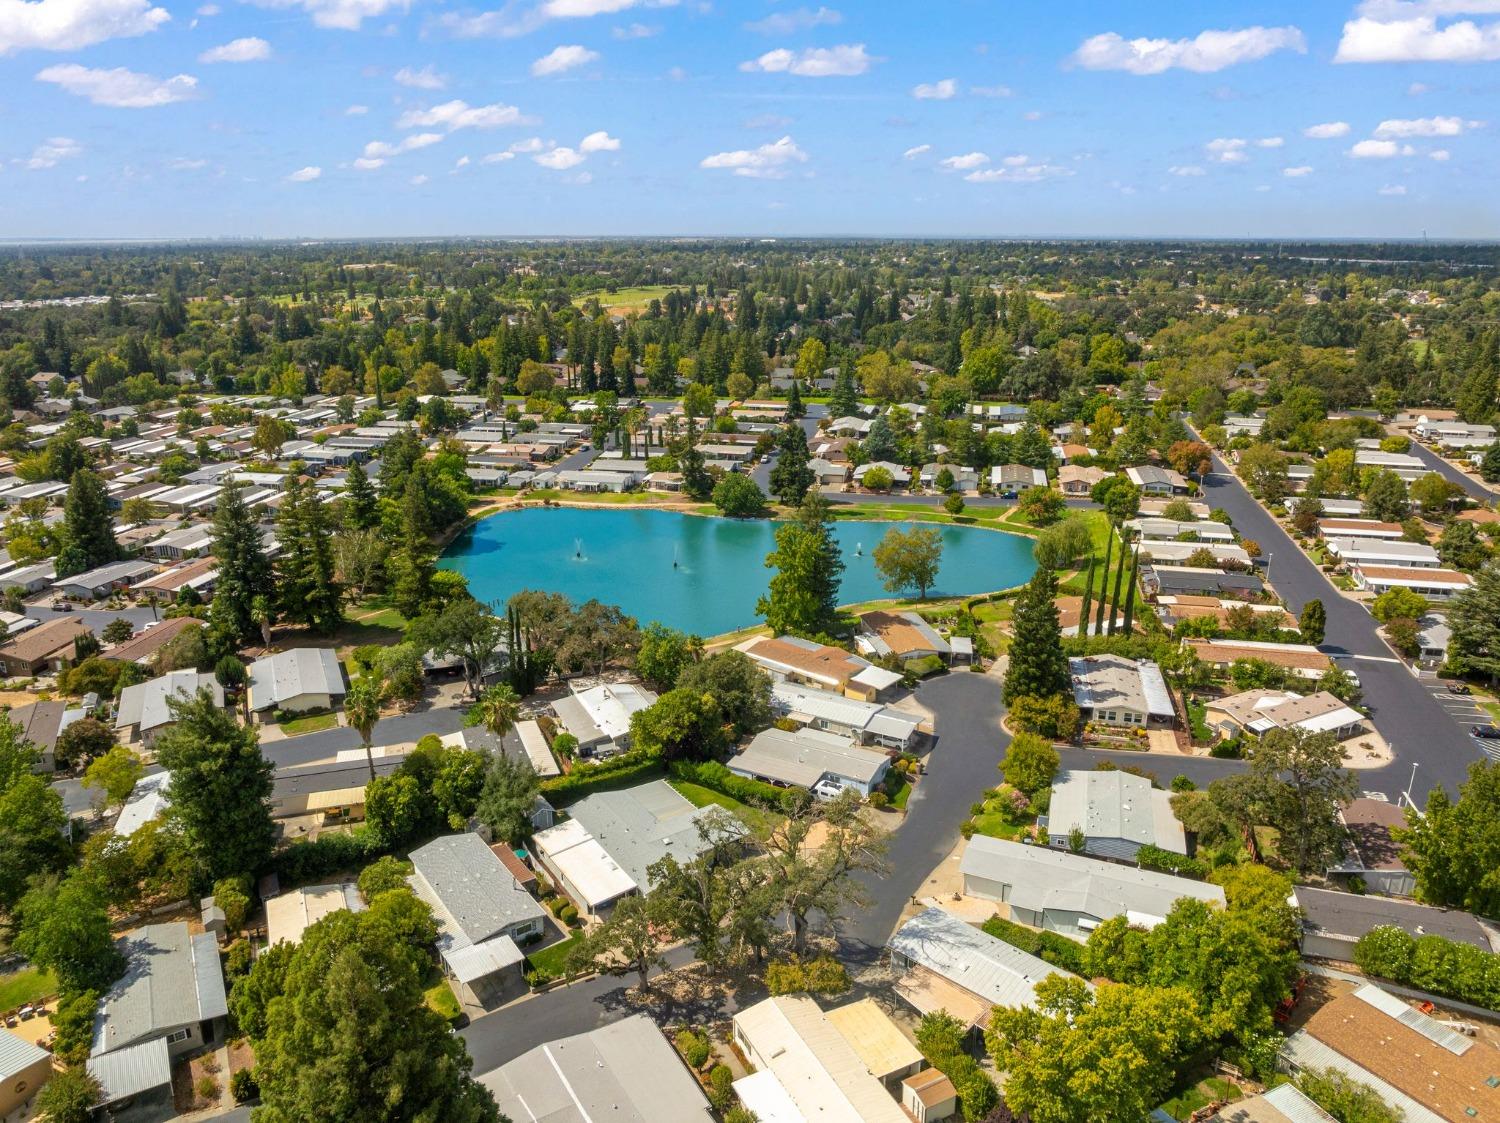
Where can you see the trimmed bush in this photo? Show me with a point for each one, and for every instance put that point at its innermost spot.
(568, 915)
(620, 771)
(721, 1088)
(1048, 946)
(1431, 963)
(302, 862)
(1166, 861)
(695, 1047)
(242, 1086)
(715, 777)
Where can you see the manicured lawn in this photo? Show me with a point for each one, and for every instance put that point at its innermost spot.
(995, 825)
(442, 999)
(638, 297)
(554, 960)
(899, 794)
(700, 796)
(312, 724)
(1190, 1099)
(603, 498)
(22, 987)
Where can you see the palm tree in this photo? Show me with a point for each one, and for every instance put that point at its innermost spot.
(264, 614)
(498, 710)
(362, 711)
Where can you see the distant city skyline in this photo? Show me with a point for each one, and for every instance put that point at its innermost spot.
(389, 118)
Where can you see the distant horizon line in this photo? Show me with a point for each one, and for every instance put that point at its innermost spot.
(23, 241)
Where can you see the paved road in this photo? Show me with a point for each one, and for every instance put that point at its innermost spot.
(95, 618)
(1475, 489)
(327, 743)
(761, 473)
(1404, 711)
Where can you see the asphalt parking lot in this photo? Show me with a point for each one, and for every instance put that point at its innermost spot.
(1462, 709)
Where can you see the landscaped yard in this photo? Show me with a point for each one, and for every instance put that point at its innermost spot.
(440, 997)
(637, 298)
(312, 724)
(898, 787)
(700, 796)
(21, 988)
(554, 960)
(1204, 1092)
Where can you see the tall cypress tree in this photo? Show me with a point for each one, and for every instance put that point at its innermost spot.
(244, 570)
(1088, 599)
(304, 568)
(1109, 545)
(794, 406)
(361, 508)
(845, 398)
(1038, 668)
(1135, 574)
(88, 529)
(1114, 605)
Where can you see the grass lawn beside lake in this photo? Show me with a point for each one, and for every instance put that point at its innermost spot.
(554, 959)
(700, 796)
(23, 987)
(314, 724)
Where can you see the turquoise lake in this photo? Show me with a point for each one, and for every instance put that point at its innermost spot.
(626, 557)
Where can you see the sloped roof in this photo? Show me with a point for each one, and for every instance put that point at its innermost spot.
(172, 978)
(999, 973)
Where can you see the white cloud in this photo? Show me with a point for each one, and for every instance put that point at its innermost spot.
(599, 142)
(369, 163)
(1392, 189)
(635, 31)
(186, 164)
(1207, 52)
(120, 88)
(561, 59)
(802, 19)
(1227, 150)
(425, 79)
(1421, 126)
(560, 159)
(965, 162)
(249, 49)
(1018, 169)
(582, 9)
(207, 10)
(1327, 131)
(497, 157)
(383, 150)
(1186, 170)
(1441, 155)
(992, 91)
(1417, 89)
(356, 111)
(1297, 172)
(305, 175)
(1379, 150)
(457, 114)
(919, 150)
(1270, 142)
(936, 91)
(813, 62)
(769, 161)
(1419, 39)
(418, 180)
(581, 179)
(52, 152)
(69, 25)
(530, 144)
(339, 15)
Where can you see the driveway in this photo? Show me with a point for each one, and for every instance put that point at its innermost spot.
(1403, 709)
(326, 744)
(1473, 487)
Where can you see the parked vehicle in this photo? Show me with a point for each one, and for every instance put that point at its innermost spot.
(1486, 732)
(1458, 688)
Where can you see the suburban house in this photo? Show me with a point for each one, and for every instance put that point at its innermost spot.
(1117, 813)
(865, 722)
(1172, 610)
(624, 1071)
(1432, 583)
(482, 912)
(24, 1068)
(292, 913)
(1371, 853)
(142, 647)
(1114, 690)
(298, 680)
(946, 964)
(170, 1001)
(43, 648)
(1359, 528)
(1156, 481)
(1071, 894)
(146, 801)
(1374, 551)
(796, 660)
(1161, 553)
(824, 763)
(1078, 480)
(1257, 712)
(1333, 922)
(899, 473)
(1150, 527)
(1284, 1103)
(900, 635)
(334, 790)
(1414, 1063)
(1012, 479)
(804, 1063)
(40, 724)
(600, 716)
(145, 708)
(1300, 659)
(99, 583)
(603, 851)
(1176, 580)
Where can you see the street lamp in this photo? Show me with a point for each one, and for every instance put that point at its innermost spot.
(1411, 782)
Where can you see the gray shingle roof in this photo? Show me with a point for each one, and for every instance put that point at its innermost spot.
(172, 978)
(461, 877)
(303, 670)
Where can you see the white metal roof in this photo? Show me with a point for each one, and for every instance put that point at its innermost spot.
(17, 1054)
(999, 973)
(477, 961)
(577, 856)
(133, 1070)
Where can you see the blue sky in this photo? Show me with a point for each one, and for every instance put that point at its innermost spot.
(134, 118)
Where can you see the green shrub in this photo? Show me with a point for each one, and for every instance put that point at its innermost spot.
(304, 862)
(568, 914)
(715, 777)
(1048, 946)
(382, 874)
(555, 905)
(879, 800)
(925, 667)
(619, 771)
(721, 1088)
(1431, 963)
(695, 1047)
(242, 1086)
(1166, 861)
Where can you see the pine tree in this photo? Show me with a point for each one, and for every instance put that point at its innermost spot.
(791, 476)
(803, 596)
(845, 398)
(1313, 622)
(794, 406)
(88, 528)
(304, 568)
(361, 508)
(1038, 668)
(244, 570)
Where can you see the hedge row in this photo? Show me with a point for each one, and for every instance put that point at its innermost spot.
(715, 777)
(1168, 861)
(1431, 963)
(1049, 946)
(619, 771)
(302, 862)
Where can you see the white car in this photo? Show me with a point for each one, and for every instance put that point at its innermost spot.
(827, 789)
